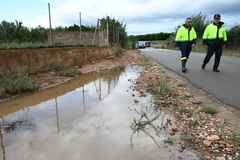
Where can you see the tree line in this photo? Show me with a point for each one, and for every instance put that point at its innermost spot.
(11, 32)
(17, 33)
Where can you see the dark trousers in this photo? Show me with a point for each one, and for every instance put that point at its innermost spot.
(184, 58)
(185, 51)
(217, 49)
(185, 54)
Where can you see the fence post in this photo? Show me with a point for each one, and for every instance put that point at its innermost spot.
(98, 32)
(50, 31)
(80, 30)
(95, 33)
(107, 35)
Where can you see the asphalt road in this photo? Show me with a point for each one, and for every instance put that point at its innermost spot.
(224, 85)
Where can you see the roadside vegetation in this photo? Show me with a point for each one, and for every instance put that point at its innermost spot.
(16, 83)
(209, 110)
(68, 71)
(11, 84)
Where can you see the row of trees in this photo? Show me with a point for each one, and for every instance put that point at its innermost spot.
(116, 30)
(11, 32)
(15, 32)
(234, 37)
(154, 36)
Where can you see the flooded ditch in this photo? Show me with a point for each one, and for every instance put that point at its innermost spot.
(92, 117)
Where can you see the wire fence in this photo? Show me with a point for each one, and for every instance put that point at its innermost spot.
(53, 16)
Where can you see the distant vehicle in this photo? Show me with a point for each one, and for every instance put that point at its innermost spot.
(141, 45)
(147, 44)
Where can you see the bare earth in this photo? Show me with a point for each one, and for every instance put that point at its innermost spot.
(210, 136)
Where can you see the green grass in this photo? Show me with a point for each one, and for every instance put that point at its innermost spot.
(182, 84)
(193, 123)
(23, 45)
(199, 48)
(229, 52)
(169, 141)
(209, 110)
(147, 61)
(69, 72)
(161, 88)
(234, 138)
(186, 110)
(14, 84)
(62, 70)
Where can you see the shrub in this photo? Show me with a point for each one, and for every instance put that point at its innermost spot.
(16, 84)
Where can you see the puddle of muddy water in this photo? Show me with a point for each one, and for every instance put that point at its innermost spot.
(87, 118)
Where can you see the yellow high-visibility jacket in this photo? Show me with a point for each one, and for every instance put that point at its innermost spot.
(185, 37)
(215, 34)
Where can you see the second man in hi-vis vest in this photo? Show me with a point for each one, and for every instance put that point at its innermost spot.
(186, 38)
(214, 39)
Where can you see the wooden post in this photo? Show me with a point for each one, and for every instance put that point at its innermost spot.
(80, 30)
(50, 26)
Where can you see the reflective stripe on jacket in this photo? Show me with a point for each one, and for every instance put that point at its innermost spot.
(185, 37)
(215, 34)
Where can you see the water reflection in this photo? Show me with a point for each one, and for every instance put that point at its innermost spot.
(109, 78)
(87, 118)
(68, 101)
(1, 140)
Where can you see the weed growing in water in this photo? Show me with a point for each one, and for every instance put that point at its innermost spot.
(145, 123)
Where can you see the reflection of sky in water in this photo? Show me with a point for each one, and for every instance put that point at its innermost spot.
(77, 125)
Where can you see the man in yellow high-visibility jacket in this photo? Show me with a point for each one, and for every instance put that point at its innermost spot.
(185, 39)
(214, 39)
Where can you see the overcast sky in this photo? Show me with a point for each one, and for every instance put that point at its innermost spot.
(140, 16)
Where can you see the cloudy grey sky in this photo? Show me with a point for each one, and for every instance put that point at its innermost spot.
(140, 16)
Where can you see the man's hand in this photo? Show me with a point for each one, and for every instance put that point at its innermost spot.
(177, 48)
(193, 45)
(205, 46)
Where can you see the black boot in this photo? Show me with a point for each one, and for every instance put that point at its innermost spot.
(203, 65)
(184, 69)
(215, 69)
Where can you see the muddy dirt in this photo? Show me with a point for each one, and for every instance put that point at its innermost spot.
(227, 118)
(50, 79)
